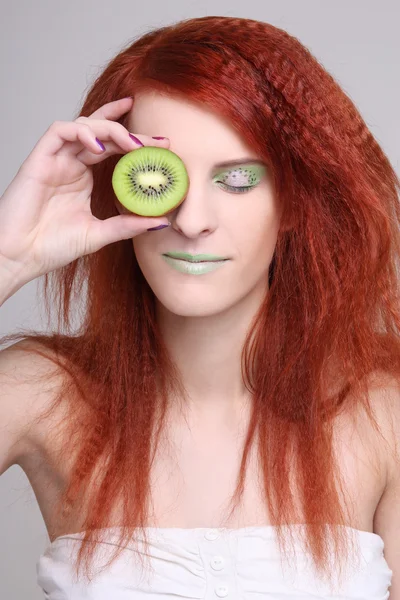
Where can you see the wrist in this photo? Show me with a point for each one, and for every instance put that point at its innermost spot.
(12, 278)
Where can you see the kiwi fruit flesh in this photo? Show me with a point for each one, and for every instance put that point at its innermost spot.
(150, 181)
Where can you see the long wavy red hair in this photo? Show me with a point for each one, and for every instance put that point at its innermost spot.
(330, 319)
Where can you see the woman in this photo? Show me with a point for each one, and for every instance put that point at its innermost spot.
(211, 419)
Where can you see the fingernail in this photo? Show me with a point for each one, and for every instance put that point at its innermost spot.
(102, 146)
(135, 139)
(158, 227)
(156, 137)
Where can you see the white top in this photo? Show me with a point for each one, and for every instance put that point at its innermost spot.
(207, 564)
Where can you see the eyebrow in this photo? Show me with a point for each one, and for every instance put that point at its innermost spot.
(240, 161)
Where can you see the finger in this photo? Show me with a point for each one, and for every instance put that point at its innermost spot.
(60, 132)
(116, 135)
(87, 157)
(121, 227)
(113, 110)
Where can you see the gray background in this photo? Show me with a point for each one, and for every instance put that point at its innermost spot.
(51, 52)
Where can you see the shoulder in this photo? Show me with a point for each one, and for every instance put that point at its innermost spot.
(385, 395)
(384, 404)
(28, 384)
(375, 423)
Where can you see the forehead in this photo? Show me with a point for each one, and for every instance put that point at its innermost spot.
(193, 129)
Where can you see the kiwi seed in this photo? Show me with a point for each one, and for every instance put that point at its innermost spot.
(150, 181)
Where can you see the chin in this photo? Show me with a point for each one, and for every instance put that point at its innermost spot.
(191, 304)
(190, 311)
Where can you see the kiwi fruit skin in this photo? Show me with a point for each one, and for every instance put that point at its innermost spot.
(150, 181)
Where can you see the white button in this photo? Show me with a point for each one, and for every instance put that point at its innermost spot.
(211, 535)
(221, 591)
(217, 563)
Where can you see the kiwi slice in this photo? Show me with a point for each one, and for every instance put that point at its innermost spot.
(150, 181)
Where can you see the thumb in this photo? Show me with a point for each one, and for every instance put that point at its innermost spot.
(122, 227)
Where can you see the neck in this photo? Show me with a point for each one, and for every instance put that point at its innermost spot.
(207, 351)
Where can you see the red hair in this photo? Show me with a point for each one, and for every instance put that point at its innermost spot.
(331, 315)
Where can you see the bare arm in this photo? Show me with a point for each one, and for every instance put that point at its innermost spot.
(14, 366)
(22, 399)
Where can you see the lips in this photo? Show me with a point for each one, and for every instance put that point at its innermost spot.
(195, 257)
(193, 268)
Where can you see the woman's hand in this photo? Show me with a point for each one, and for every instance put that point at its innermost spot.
(45, 216)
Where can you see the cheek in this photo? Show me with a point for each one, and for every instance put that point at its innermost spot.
(139, 246)
(146, 252)
(255, 231)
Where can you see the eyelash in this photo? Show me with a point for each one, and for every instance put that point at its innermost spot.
(237, 189)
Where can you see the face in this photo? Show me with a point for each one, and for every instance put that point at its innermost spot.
(238, 225)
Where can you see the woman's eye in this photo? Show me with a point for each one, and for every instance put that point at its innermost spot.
(244, 178)
(237, 189)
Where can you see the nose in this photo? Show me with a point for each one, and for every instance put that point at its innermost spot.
(196, 215)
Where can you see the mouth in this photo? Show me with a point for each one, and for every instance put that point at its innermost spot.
(195, 258)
